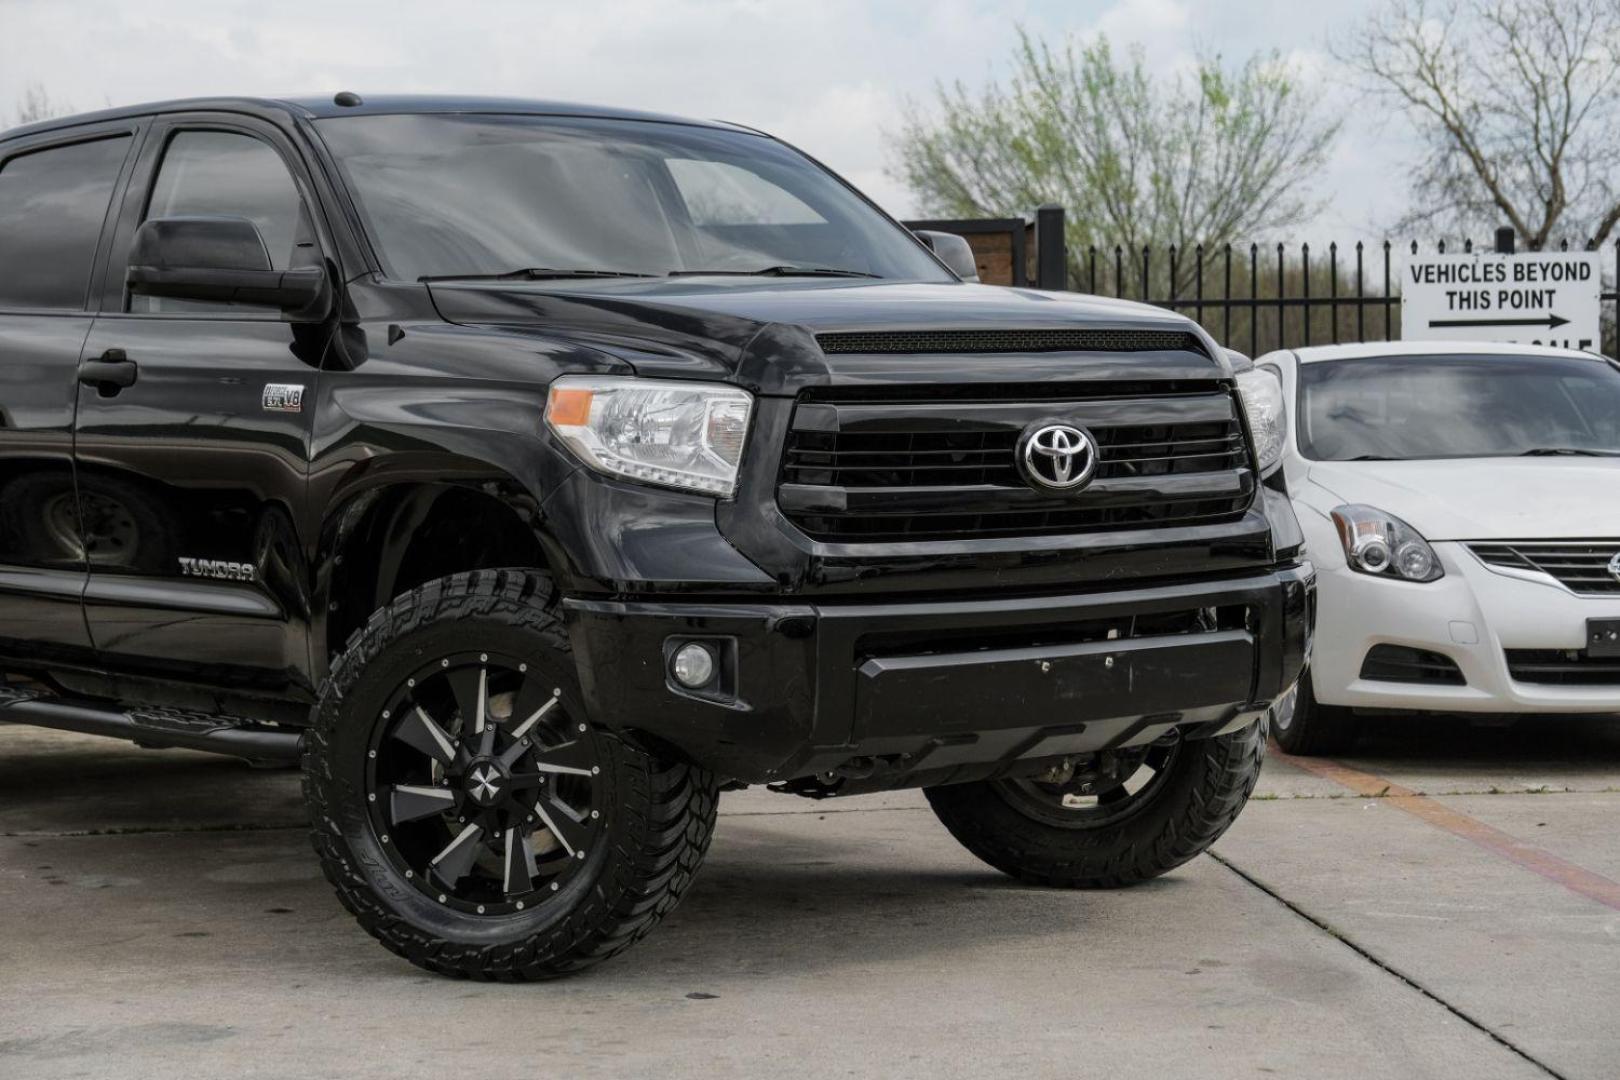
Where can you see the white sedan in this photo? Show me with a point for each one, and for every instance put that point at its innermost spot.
(1461, 503)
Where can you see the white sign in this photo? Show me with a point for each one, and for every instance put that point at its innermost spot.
(1537, 298)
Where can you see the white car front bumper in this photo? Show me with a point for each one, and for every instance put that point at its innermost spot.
(1473, 615)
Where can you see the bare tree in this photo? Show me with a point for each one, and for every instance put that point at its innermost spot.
(1136, 159)
(1517, 102)
(35, 104)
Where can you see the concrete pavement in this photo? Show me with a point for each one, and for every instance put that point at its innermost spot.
(161, 915)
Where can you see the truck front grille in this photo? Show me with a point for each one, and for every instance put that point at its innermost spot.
(1581, 566)
(945, 468)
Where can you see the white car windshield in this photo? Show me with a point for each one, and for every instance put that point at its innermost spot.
(1400, 408)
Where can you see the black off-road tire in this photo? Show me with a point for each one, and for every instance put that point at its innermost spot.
(1312, 729)
(1205, 787)
(655, 829)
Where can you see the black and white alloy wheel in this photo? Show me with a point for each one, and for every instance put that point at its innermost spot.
(483, 784)
(464, 808)
(1150, 810)
(1094, 802)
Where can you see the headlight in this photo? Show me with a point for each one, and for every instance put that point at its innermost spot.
(680, 435)
(1379, 543)
(1262, 396)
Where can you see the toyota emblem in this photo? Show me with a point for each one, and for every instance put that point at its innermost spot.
(1057, 457)
(1614, 566)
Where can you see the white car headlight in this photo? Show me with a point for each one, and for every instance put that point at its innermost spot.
(658, 431)
(1384, 545)
(1260, 390)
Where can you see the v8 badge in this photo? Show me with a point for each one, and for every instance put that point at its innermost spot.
(283, 397)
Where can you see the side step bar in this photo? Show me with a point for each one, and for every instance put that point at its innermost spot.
(261, 744)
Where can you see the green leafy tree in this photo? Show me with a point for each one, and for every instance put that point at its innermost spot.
(1135, 158)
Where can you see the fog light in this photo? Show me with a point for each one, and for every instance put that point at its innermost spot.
(693, 666)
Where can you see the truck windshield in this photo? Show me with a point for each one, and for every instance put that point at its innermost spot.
(558, 197)
(1400, 408)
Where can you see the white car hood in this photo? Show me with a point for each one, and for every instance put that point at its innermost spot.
(1484, 498)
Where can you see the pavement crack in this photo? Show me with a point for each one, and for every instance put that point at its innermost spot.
(150, 830)
(1388, 968)
(825, 810)
(1388, 792)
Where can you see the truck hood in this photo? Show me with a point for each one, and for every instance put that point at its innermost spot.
(1481, 498)
(703, 327)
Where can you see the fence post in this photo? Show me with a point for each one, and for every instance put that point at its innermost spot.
(1051, 249)
(1505, 240)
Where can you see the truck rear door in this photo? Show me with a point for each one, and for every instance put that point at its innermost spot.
(56, 190)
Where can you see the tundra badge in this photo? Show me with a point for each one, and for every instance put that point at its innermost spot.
(217, 568)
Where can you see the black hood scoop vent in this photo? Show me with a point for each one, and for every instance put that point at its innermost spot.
(1008, 341)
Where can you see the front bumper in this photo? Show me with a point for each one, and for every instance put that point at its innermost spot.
(894, 694)
(1473, 615)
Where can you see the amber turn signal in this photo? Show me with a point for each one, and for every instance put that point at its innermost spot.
(569, 407)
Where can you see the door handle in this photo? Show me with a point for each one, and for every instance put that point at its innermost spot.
(110, 373)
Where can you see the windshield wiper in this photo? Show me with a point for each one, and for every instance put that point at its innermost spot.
(778, 271)
(534, 273)
(1370, 457)
(1568, 451)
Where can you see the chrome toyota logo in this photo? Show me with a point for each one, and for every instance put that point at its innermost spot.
(1058, 457)
(1614, 566)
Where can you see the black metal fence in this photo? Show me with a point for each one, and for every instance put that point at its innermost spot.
(1260, 298)
(1253, 297)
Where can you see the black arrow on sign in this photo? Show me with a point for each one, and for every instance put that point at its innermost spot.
(1551, 322)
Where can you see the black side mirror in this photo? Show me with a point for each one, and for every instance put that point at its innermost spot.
(953, 251)
(221, 258)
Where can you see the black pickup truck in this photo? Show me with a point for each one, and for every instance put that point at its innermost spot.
(531, 473)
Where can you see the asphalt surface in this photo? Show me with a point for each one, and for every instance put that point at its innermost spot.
(1443, 903)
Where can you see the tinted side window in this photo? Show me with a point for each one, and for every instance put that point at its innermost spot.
(224, 174)
(52, 203)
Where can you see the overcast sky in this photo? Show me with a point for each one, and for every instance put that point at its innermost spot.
(828, 75)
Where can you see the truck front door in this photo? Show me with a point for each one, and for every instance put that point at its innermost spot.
(192, 440)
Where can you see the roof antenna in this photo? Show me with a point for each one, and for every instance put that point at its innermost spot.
(348, 99)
